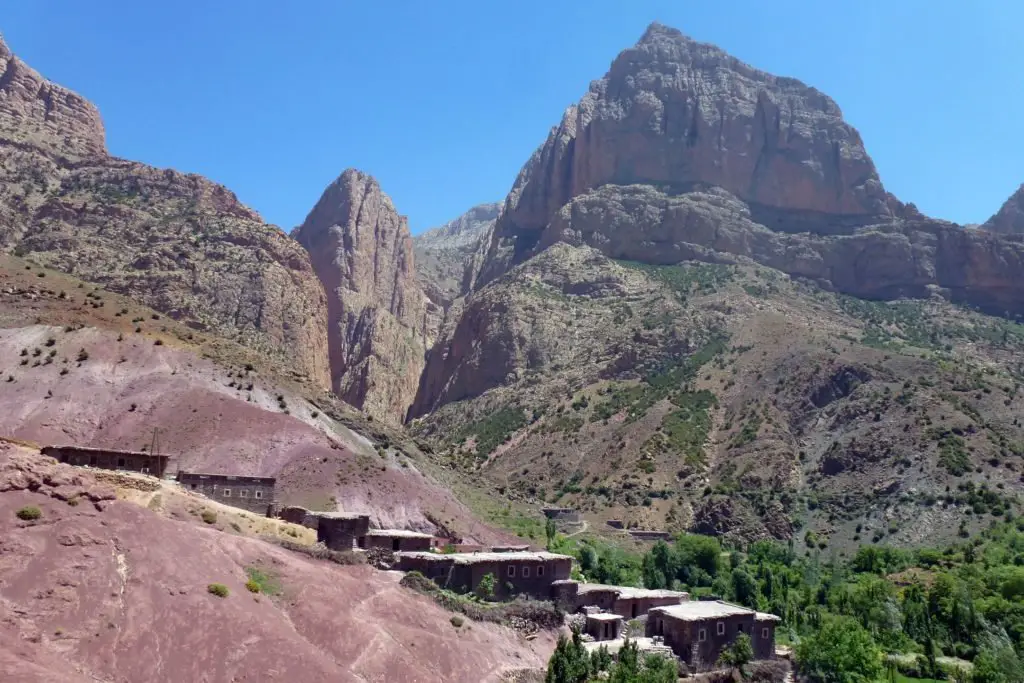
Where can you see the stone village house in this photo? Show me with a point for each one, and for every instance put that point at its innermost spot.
(108, 459)
(255, 494)
(515, 573)
(698, 631)
(627, 602)
(346, 531)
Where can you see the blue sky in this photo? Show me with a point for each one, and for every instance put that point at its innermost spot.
(443, 102)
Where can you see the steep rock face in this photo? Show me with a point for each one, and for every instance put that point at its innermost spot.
(178, 242)
(448, 260)
(377, 315)
(35, 112)
(683, 152)
(672, 111)
(559, 312)
(1009, 220)
(445, 260)
(913, 257)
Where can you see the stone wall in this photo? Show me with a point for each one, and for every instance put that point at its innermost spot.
(255, 494)
(567, 515)
(299, 515)
(647, 535)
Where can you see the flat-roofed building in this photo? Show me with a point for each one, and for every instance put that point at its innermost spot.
(515, 573)
(110, 459)
(395, 540)
(339, 530)
(698, 631)
(626, 601)
(255, 494)
(604, 625)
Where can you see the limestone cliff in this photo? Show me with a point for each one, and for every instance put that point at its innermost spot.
(1009, 220)
(177, 242)
(362, 251)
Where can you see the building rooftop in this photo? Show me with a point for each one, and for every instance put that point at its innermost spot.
(702, 609)
(337, 515)
(604, 616)
(397, 533)
(91, 449)
(230, 477)
(630, 593)
(764, 616)
(471, 558)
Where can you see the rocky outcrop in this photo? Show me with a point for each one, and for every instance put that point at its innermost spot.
(672, 112)
(362, 251)
(177, 242)
(43, 115)
(447, 257)
(911, 257)
(561, 311)
(1009, 220)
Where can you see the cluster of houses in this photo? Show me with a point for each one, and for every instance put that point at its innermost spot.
(695, 631)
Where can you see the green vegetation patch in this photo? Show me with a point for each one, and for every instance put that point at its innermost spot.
(218, 589)
(261, 581)
(686, 429)
(495, 429)
(664, 381)
(953, 454)
(687, 278)
(29, 513)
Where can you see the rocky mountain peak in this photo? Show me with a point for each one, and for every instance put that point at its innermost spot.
(36, 112)
(460, 231)
(362, 251)
(676, 113)
(1010, 217)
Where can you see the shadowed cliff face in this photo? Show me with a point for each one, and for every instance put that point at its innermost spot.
(175, 241)
(362, 251)
(1009, 220)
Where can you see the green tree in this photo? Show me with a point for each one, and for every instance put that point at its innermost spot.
(659, 566)
(550, 530)
(998, 665)
(744, 587)
(739, 654)
(842, 651)
(696, 551)
(651, 669)
(485, 589)
(569, 663)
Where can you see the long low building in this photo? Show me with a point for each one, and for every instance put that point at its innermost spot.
(625, 601)
(515, 573)
(698, 631)
(110, 459)
(395, 540)
(255, 494)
